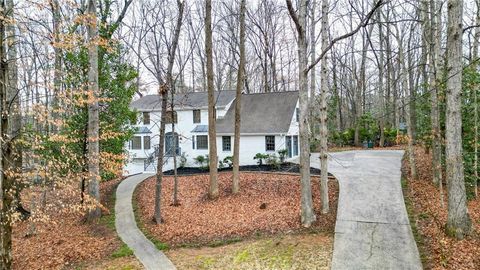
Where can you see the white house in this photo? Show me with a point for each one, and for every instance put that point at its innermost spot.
(268, 124)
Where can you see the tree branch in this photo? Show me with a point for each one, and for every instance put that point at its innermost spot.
(362, 24)
(293, 14)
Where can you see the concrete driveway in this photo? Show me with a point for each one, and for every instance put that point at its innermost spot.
(372, 229)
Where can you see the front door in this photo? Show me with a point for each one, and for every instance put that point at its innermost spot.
(171, 144)
(288, 145)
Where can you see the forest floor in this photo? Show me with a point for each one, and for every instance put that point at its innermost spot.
(428, 219)
(67, 242)
(259, 227)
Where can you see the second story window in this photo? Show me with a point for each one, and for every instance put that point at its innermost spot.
(146, 118)
(197, 118)
(169, 117)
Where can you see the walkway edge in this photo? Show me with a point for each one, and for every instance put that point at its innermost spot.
(127, 228)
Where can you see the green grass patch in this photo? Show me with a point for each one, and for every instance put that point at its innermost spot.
(242, 256)
(123, 251)
(223, 242)
(205, 262)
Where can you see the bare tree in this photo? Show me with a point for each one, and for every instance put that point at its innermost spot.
(212, 136)
(93, 156)
(164, 87)
(238, 101)
(307, 212)
(434, 56)
(458, 221)
(475, 100)
(171, 86)
(10, 131)
(323, 112)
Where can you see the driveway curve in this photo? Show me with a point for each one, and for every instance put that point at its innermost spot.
(372, 230)
(127, 229)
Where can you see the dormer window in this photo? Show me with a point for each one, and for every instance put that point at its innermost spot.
(146, 118)
(197, 118)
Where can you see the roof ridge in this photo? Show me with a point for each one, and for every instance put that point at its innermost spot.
(277, 92)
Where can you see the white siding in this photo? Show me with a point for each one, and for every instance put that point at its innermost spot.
(249, 147)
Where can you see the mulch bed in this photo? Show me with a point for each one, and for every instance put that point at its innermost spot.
(266, 204)
(286, 167)
(439, 250)
(64, 240)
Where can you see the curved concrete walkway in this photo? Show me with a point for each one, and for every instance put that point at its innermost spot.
(372, 229)
(127, 229)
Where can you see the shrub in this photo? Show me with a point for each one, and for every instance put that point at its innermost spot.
(183, 160)
(228, 161)
(202, 161)
(282, 154)
(260, 158)
(272, 160)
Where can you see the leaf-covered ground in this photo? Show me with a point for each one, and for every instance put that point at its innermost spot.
(66, 242)
(438, 250)
(266, 204)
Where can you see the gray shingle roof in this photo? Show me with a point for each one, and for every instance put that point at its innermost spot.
(190, 100)
(265, 113)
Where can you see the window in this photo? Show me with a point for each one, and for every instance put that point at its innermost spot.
(288, 144)
(146, 142)
(297, 114)
(171, 144)
(226, 143)
(136, 142)
(295, 145)
(168, 117)
(269, 143)
(146, 118)
(202, 142)
(197, 118)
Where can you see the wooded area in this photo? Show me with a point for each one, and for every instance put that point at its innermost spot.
(374, 73)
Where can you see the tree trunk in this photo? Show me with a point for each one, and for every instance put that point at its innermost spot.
(458, 221)
(381, 95)
(171, 86)
(313, 83)
(174, 145)
(6, 180)
(13, 92)
(435, 78)
(163, 91)
(93, 120)
(307, 212)
(408, 92)
(212, 136)
(323, 113)
(57, 73)
(475, 99)
(238, 96)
